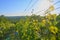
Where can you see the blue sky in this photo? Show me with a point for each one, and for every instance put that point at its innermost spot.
(12, 6)
(17, 7)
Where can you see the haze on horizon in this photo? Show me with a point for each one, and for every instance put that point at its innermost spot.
(25, 7)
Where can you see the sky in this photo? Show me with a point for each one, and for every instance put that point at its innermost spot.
(26, 7)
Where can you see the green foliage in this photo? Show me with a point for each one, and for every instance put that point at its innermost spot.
(32, 27)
